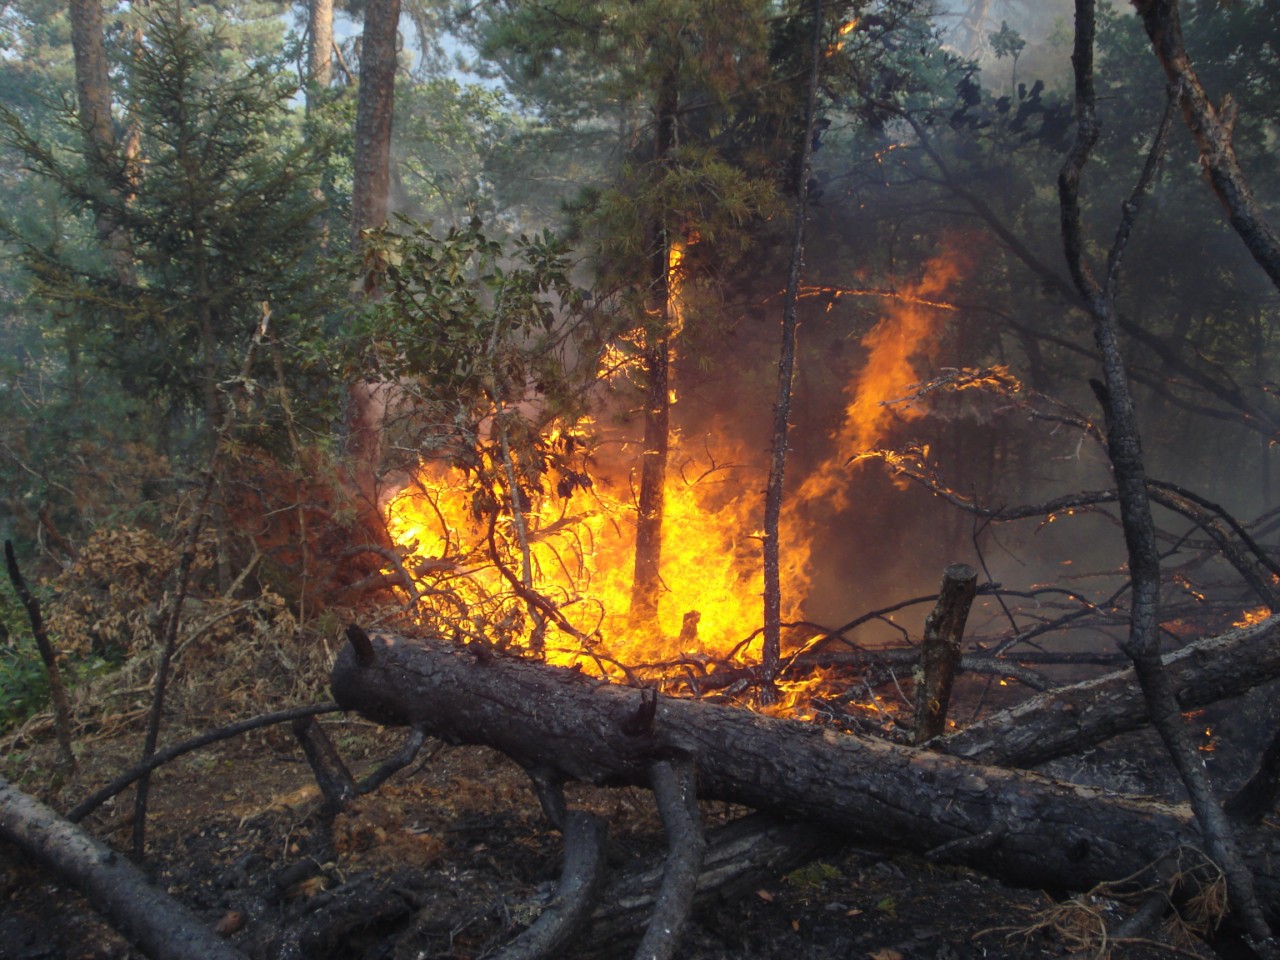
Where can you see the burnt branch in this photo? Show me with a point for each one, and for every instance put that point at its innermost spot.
(158, 759)
(576, 896)
(336, 784)
(395, 763)
(162, 928)
(675, 789)
(57, 692)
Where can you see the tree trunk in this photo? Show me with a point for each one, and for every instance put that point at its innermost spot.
(93, 94)
(940, 650)
(160, 926)
(370, 202)
(1019, 826)
(646, 584)
(320, 45)
(786, 374)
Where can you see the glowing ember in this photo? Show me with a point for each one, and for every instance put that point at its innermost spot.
(1250, 617)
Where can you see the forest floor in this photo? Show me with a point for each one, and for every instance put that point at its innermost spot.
(452, 858)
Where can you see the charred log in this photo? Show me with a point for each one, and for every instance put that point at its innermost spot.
(1070, 719)
(1019, 826)
(161, 927)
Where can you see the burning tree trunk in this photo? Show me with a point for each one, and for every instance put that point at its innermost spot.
(561, 726)
(786, 372)
(657, 399)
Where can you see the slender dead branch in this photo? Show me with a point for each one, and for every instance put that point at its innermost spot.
(173, 616)
(49, 656)
(786, 374)
(1124, 447)
(160, 758)
(1212, 128)
(395, 763)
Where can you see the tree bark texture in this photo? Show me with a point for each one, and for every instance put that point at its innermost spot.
(375, 109)
(320, 43)
(940, 651)
(160, 926)
(1019, 826)
(370, 205)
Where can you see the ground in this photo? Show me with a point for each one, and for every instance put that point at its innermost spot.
(452, 858)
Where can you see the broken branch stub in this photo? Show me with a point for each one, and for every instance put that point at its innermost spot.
(940, 651)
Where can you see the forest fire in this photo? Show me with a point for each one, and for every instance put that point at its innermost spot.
(580, 547)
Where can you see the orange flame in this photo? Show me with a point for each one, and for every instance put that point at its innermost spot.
(898, 347)
(581, 548)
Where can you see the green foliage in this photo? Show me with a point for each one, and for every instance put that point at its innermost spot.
(218, 213)
(24, 684)
(1006, 42)
(490, 347)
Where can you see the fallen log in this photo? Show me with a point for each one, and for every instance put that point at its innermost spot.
(162, 928)
(1070, 719)
(1016, 825)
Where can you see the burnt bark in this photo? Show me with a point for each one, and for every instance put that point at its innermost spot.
(1071, 719)
(161, 927)
(646, 583)
(940, 650)
(575, 896)
(1016, 825)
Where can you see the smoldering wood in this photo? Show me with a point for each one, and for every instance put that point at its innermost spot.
(162, 928)
(876, 793)
(940, 650)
